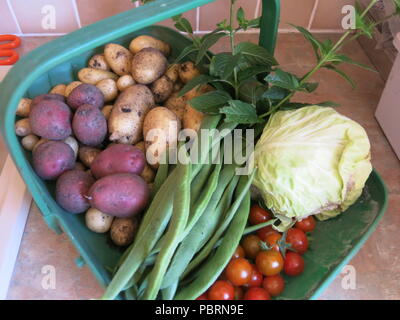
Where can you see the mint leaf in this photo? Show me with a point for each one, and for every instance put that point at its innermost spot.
(206, 42)
(275, 93)
(310, 86)
(240, 17)
(284, 80)
(341, 73)
(255, 54)
(316, 44)
(232, 63)
(182, 24)
(210, 102)
(240, 112)
(218, 63)
(251, 72)
(199, 80)
(346, 59)
(185, 52)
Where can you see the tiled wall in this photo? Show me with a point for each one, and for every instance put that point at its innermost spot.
(44, 17)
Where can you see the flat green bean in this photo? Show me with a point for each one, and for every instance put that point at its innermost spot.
(181, 209)
(243, 189)
(199, 235)
(213, 267)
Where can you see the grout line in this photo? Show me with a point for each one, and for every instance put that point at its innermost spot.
(14, 16)
(253, 31)
(197, 19)
(312, 15)
(76, 12)
(258, 8)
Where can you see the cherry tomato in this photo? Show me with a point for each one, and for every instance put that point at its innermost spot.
(272, 239)
(239, 253)
(264, 232)
(298, 239)
(307, 224)
(256, 293)
(294, 264)
(269, 262)
(251, 246)
(274, 285)
(238, 271)
(239, 293)
(203, 297)
(221, 290)
(258, 215)
(256, 277)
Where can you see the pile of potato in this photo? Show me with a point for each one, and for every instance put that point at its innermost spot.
(92, 135)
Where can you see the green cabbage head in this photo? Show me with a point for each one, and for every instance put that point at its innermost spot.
(311, 161)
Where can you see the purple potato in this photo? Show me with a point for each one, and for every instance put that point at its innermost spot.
(122, 195)
(53, 158)
(85, 94)
(71, 188)
(89, 125)
(118, 158)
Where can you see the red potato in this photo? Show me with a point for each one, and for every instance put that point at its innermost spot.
(85, 94)
(51, 119)
(46, 97)
(71, 187)
(118, 158)
(89, 125)
(122, 194)
(53, 158)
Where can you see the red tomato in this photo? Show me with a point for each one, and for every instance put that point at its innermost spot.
(269, 262)
(298, 239)
(203, 297)
(258, 215)
(272, 239)
(307, 224)
(274, 285)
(294, 264)
(221, 290)
(256, 293)
(239, 253)
(256, 277)
(251, 246)
(239, 293)
(264, 232)
(238, 271)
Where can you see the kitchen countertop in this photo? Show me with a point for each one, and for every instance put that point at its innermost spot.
(377, 265)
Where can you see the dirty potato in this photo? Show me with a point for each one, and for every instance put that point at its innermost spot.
(176, 104)
(87, 154)
(144, 41)
(109, 89)
(24, 107)
(148, 65)
(119, 58)
(94, 76)
(173, 72)
(98, 61)
(23, 127)
(59, 89)
(125, 82)
(160, 131)
(162, 89)
(126, 119)
(188, 71)
(29, 141)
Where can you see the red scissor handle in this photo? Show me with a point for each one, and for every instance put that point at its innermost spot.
(12, 57)
(12, 41)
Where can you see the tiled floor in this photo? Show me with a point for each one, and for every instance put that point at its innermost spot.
(377, 263)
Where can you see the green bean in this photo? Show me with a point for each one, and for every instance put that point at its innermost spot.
(161, 176)
(213, 267)
(243, 189)
(158, 215)
(199, 235)
(169, 293)
(181, 209)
